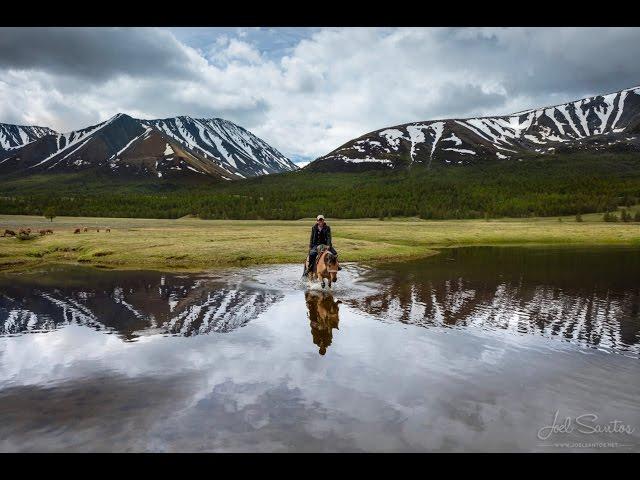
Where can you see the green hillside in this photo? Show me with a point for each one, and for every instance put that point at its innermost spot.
(548, 186)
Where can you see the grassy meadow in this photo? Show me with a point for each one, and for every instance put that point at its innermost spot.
(190, 244)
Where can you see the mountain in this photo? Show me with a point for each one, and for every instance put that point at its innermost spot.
(239, 151)
(124, 146)
(595, 124)
(15, 136)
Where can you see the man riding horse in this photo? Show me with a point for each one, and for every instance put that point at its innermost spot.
(320, 235)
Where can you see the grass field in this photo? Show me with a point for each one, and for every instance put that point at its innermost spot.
(190, 244)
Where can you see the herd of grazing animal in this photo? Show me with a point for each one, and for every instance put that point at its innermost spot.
(43, 232)
(85, 229)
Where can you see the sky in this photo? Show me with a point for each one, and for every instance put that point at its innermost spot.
(305, 91)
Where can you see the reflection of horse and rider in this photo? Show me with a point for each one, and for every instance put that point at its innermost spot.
(323, 317)
(322, 262)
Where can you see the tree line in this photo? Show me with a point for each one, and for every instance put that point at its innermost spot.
(552, 186)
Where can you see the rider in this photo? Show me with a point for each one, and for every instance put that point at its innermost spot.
(320, 235)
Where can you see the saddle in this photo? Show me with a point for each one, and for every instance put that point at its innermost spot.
(319, 250)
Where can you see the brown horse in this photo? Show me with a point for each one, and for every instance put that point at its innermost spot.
(326, 266)
(9, 233)
(77, 230)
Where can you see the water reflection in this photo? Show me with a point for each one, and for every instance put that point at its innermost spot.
(129, 304)
(587, 297)
(460, 352)
(323, 317)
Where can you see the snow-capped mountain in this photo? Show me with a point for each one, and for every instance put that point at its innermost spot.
(15, 136)
(604, 122)
(239, 151)
(174, 147)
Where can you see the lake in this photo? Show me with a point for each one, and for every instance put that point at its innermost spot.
(474, 349)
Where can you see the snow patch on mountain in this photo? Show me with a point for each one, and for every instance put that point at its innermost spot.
(461, 150)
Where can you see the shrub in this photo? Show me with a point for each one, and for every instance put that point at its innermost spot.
(610, 217)
(626, 216)
(25, 236)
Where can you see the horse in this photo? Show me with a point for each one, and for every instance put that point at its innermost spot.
(108, 230)
(77, 230)
(9, 233)
(326, 266)
(85, 229)
(43, 233)
(323, 318)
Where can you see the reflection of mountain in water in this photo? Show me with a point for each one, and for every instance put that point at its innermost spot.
(130, 304)
(589, 297)
(589, 300)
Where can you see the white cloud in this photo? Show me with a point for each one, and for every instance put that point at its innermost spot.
(329, 87)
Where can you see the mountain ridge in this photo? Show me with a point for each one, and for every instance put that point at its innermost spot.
(14, 136)
(211, 147)
(587, 124)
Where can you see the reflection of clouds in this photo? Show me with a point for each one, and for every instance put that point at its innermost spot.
(382, 387)
(263, 387)
(102, 413)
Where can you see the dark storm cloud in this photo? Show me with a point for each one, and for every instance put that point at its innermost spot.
(464, 100)
(94, 54)
(548, 61)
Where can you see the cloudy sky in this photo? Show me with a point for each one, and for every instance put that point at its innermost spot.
(304, 90)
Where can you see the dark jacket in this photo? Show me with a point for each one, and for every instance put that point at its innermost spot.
(320, 237)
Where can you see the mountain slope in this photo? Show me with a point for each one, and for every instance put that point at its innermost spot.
(601, 123)
(122, 146)
(15, 136)
(238, 150)
(125, 146)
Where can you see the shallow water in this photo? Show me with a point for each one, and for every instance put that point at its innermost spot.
(475, 349)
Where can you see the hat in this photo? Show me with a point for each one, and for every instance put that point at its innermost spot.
(320, 217)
